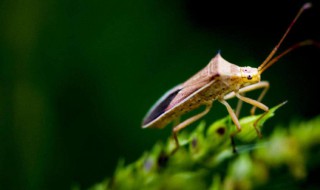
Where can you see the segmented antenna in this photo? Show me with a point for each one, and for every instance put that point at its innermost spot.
(270, 60)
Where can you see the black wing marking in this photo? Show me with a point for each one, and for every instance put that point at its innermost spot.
(160, 107)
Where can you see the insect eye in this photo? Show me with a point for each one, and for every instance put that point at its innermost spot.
(249, 77)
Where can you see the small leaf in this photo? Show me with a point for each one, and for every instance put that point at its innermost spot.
(248, 132)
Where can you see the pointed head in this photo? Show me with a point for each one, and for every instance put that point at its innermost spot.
(249, 75)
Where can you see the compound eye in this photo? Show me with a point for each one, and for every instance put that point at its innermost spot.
(249, 77)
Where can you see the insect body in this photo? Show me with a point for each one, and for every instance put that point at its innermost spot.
(213, 82)
(219, 80)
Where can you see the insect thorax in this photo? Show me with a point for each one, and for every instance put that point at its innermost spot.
(221, 87)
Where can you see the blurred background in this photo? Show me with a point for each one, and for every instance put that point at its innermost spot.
(77, 77)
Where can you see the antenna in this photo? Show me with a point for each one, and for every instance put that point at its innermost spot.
(269, 61)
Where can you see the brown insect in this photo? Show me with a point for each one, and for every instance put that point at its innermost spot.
(219, 80)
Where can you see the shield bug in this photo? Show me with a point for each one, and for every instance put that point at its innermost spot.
(220, 80)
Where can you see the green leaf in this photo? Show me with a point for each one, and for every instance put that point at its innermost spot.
(248, 131)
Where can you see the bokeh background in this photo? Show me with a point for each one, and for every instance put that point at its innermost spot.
(77, 77)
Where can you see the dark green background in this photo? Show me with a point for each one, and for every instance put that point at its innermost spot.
(77, 77)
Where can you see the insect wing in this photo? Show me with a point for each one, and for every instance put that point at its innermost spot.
(160, 106)
(181, 93)
(197, 81)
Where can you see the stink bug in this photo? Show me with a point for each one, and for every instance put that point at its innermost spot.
(219, 80)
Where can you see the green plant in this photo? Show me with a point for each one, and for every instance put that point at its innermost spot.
(285, 159)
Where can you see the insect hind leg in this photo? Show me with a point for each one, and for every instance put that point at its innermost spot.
(186, 123)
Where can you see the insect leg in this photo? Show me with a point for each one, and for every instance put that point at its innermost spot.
(239, 106)
(265, 86)
(256, 103)
(186, 123)
(252, 102)
(235, 121)
(262, 84)
(232, 114)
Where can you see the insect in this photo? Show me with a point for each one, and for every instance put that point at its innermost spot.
(220, 80)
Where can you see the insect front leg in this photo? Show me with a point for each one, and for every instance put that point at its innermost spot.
(252, 102)
(186, 123)
(256, 103)
(263, 84)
